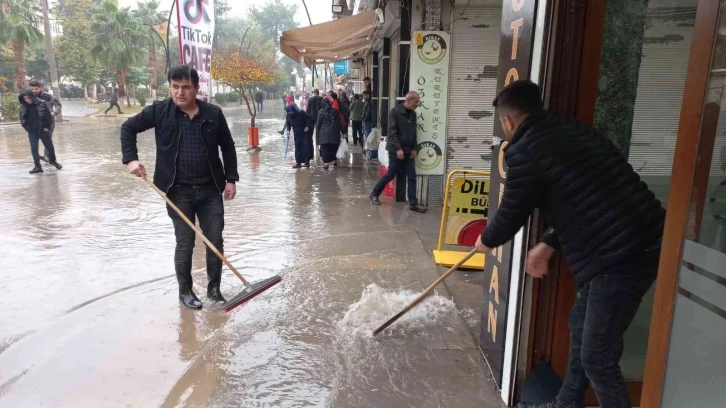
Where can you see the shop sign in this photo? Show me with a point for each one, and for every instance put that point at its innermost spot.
(430, 55)
(515, 55)
(340, 67)
(467, 214)
(196, 31)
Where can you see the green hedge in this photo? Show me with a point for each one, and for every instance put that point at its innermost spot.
(10, 108)
(225, 98)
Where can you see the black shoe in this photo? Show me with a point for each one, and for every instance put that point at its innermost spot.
(282, 132)
(418, 208)
(43, 158)
(215, 295)
(56, 165)
(374, 200)
(326, 167)
(189, 299)
(553, 404)
(296, 166)
(306, 165)
(36, 169)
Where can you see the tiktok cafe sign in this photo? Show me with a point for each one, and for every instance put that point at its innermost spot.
(195, 19)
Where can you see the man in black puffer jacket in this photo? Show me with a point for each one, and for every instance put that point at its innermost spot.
(604, 218)
(36, 120)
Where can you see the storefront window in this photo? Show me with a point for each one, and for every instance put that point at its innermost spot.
(696, 359)
(645, 53)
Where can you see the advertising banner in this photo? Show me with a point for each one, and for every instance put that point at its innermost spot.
(340, 67)
(195, 19)
(430, 57)
(468, 207)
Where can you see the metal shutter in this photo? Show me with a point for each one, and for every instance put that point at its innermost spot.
(473, 86)
(661, 81)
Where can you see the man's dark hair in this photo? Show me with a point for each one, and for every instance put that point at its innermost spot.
(367, 79)
(356, 96)
(333, 94)
(367, 93)
(522, 96)
(316, 92)
(182, 72)
(37, 83)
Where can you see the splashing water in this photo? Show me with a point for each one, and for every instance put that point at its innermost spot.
(377, 305)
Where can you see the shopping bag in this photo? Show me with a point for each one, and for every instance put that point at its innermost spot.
(342, 149)
(372, 140)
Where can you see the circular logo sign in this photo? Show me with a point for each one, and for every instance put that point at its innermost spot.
(429, 156)
(431, 48)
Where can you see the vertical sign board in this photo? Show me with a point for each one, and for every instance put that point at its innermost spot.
(195, 19)
(340, 67)
(430, 57)
(515, 54)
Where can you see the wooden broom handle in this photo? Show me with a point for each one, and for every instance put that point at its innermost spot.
(196, 229)
(441, 279)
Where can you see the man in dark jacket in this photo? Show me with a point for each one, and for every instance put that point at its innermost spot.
(113, 100)
(356, 117)
(36, 120)
(189, 136)
(604, 218)
(52, 103)
(367, 115)
(259, 99)
(401, 145)
(315, 103)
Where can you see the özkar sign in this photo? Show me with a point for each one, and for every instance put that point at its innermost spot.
(196, 31)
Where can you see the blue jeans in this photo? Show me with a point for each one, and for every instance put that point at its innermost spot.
(396, 167)
(204, 201)
(34, 137)
(604, 308)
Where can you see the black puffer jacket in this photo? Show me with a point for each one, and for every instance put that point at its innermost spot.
(602, 212)
(315, 103)
(34, 117)
(162, 117)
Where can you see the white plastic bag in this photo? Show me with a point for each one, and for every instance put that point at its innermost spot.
(342, 149)
(373, 139)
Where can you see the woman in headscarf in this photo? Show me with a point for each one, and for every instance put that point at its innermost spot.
(300, 123)
(328, 133)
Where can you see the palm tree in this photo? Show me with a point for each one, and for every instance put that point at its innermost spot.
(149, 15)
(16, 26)
(118, 36)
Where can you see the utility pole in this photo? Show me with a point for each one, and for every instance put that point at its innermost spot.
(51, 56)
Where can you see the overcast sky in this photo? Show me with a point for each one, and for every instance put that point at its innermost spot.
(320, 10)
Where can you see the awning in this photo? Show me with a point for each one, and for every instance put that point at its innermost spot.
(331, 41)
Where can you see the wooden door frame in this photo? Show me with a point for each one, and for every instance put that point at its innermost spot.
(684, 165)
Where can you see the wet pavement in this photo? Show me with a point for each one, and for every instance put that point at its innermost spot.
(91, 317)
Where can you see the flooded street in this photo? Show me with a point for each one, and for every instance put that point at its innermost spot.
(91, 316)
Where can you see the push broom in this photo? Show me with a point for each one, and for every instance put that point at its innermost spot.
(425, 292)
(251, 289)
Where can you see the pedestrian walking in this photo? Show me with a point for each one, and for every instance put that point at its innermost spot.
(36, 120)
(301, 124)
(54, 107)
(356, 117)
(189, 134)
(327, 131)
(603, 217)
(367, 115)
(315, 103)
(401, 146)
(259, 99)
(287, 101)
(344, 113)
(113, 101)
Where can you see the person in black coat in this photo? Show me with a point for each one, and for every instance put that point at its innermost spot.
(301, 125)
(603, 217)
(36, 120)
(315, 103)
(113, 101)
(328, 133)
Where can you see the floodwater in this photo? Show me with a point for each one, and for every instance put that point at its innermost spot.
(90, 312)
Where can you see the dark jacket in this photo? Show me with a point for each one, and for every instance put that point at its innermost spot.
(401, 130)
(603, 213)
(162, 117)
(368, 112)
(51, 102)
(315, 103)
(356, 110)
(345, 108)
(259, 97)
(297, 120)
(113, 98)
(34, 117)
(328, 128)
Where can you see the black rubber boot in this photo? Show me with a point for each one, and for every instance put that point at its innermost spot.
(374, 200)
(56, 165)
(36, 170)
(189, 299)
(215, 295)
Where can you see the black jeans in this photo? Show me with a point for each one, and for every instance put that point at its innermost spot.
(603, 310)
(44, 137)
(112, 104)
(204, 201)
(358, 132)
(396, 167)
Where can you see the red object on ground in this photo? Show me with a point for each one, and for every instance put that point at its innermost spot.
(253, 136)
(390, 189)
(470, 232)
